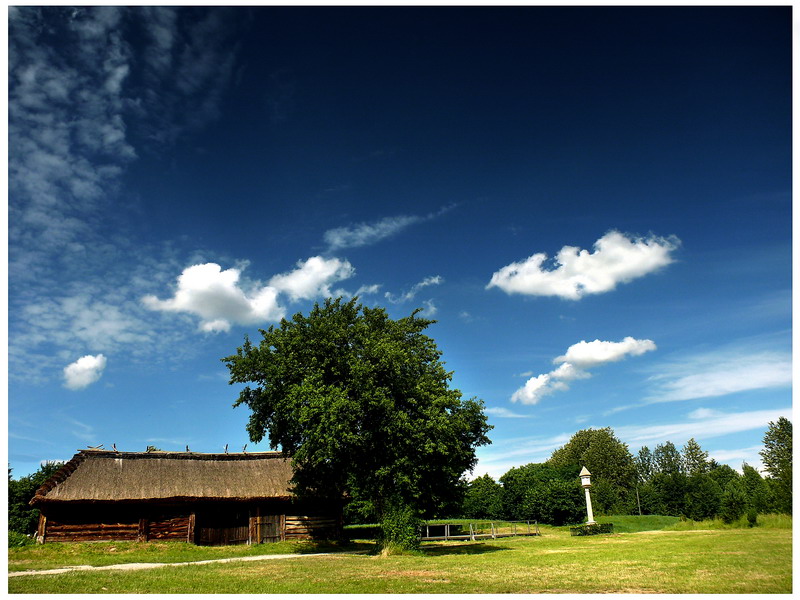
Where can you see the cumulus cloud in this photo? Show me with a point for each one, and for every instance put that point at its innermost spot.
(616, 259)
(364, 234)
(585, 355)
(84, 371)
(216, 297)
(574, 364)
(312, 278)
(220, 299)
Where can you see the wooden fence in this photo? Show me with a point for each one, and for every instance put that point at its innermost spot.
(479, 530)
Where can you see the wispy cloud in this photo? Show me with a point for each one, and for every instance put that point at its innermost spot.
(617, 259)
(82, 431)
(501, 456)
(499, 411)
(365, 234)
(721, 373)
(411, 293)
(82, 109)
(715, 424)
(575, 363)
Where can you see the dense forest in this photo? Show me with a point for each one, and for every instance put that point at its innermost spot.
(662, 481)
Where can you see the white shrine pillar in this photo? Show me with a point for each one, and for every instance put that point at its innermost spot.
(586, 483)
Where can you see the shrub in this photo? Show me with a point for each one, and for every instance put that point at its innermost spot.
(18, 540)
(400, 528)
(733, 503)
(752, 517)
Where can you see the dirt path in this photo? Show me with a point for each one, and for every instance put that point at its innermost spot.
(140, 566)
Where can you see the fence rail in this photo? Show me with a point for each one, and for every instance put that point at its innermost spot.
(479, 530)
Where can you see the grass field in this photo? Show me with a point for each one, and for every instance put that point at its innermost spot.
(734, 561)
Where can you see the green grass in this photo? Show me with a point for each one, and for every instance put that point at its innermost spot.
(764, 521)
(732, 561)
(635, 523)
(96, 554)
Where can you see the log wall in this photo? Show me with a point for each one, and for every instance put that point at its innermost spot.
(143, 523)
(305, 527)
(90, 532)
(176, 528)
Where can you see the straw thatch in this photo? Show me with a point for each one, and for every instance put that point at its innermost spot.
(103, 476)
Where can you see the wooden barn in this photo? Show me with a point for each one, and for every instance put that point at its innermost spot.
(206, 499)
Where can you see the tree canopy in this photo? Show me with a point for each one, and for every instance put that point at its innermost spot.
(777, 458)
(22, 517)
(362, 404)
(608, 460)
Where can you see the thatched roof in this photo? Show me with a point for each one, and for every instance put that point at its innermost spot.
(100, 476)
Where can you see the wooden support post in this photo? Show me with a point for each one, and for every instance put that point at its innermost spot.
(141, 534)
(42, 529)
(494, 534)
(446, 531)
(427, 531)
(190, 529)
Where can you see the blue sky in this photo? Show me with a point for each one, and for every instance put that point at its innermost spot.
(593, 203)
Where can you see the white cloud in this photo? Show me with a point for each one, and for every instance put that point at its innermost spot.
(429, 310)
(215, 296)
(220, 299)
(410, 294)
(312, 278)
(499, 411)
(714, 425)
(364, 234)
(574, 364)
(616, 259)
(84, 371)
(585, 355)
(721, 373)
(501, 456)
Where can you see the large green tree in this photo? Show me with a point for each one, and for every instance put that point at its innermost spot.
(545, 493)
(777, 458)
(22, 517)
(362, 404)
(483, 499)
(695, 459)
(609, 461)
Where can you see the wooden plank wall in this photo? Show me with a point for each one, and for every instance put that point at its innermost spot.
(300, 527)
(89, 532)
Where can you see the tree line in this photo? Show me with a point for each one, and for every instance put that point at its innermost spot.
(662, 481)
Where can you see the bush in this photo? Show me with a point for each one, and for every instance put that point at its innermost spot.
(18, 540)
(752, 517)
(733, 503)
(594, 529)
(400, 529)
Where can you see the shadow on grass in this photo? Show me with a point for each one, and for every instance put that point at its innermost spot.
(314, 547)
(479, 548)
